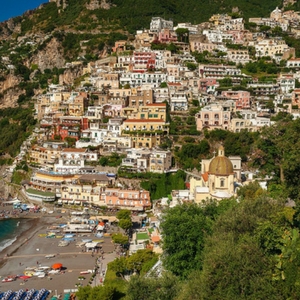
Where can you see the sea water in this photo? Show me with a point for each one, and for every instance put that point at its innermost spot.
(9, 229)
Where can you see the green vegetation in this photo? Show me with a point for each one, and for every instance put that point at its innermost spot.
(114, 160)
(16, 125)
(190, 154)
(163, 184)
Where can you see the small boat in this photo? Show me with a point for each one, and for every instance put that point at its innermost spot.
(54, 272)
(50, 256)
(37, 274)
(86, 240)
(24, 277)
(86, 272)
(29, 273)
(8, 279)
(42, 268)
(18, 223)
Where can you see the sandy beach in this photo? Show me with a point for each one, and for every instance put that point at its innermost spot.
(30, 250)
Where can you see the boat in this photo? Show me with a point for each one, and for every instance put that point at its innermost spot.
(54, 272)
(63, 243)
(50, 256)
(7, 279)
(38, 274)
(86, 272)
(18, 223)
(86, 240)
(24, 277)
(42, 268)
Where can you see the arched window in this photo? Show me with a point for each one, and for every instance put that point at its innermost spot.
(222, 182)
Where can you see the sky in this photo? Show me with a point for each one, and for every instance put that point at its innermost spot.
(14, 8)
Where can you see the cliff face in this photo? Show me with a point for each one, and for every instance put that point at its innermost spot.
(49, 57)
(9, 91)
(70, 75)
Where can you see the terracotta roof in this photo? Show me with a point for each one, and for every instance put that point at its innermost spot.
(74, 150)
(156, 104)
(92, 177)
(174, 83)
(144, 121)
(205, 176)
(155, 239)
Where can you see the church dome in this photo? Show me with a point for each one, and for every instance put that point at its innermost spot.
(220, 165)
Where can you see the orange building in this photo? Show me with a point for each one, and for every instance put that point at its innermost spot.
(126, 199)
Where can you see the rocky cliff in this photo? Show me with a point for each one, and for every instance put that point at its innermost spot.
(49, 57)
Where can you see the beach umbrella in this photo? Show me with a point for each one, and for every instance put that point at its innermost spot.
(57, 266)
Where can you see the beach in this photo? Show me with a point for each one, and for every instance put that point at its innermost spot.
(30, 249)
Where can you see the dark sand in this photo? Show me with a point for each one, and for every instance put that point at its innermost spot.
(30, 249)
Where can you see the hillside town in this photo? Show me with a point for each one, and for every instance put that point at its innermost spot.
(97, 140)
(125, 103)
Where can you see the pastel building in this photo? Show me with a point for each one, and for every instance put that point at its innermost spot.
(136, 200)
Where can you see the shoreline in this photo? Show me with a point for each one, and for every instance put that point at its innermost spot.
(23, 236)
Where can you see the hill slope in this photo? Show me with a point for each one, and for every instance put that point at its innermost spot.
(131, 14)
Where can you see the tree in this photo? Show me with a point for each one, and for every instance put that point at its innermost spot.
(183, 34)
(123, 214)
(125, 224)
(119, 238)
(184, 229)
(276, 151)
(166, 287)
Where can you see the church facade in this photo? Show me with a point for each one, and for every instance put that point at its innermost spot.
(219, 178)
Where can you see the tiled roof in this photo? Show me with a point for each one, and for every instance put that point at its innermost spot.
(74, 150)
(144, 121)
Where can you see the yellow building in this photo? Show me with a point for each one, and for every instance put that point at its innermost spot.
(145, 141)
(43, 156)
(86, 189)
(146, 126)
(146, 112)
(218, 182)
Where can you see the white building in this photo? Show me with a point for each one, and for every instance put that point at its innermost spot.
(157, 24)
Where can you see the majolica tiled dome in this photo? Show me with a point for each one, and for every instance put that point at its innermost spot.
(221, 165)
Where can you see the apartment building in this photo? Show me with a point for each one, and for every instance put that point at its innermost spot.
(152, 79)
(136, 200)
(264, 88)
(140, 98)
(241, 98)
(157, 24)
(86, 189)
(286, 82)
(270, 47)
(215, 115)
(238, 56)
(146, 160)
(218, 71)
(69, 126)
(46, 181)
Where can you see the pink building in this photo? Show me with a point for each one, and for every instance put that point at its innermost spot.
(241, 98)
(143, 61)
(207, 85)
(126, 199)
(167, 36)
(213, 116)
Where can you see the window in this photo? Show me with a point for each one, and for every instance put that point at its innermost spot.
(222, 182)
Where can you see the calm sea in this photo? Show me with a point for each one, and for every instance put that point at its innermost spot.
(10, 229)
